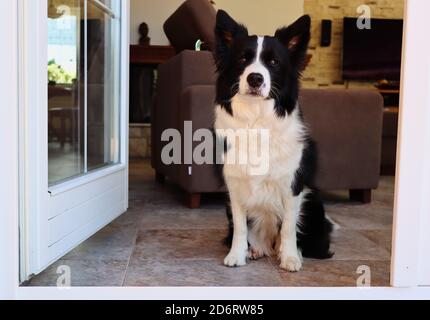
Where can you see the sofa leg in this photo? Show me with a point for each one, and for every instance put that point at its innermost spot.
(361, 195)
(193, 200)
(159, 177)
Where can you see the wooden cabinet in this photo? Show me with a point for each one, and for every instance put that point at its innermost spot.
(389, 130)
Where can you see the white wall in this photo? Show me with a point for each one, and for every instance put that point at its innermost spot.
(262, 17)
(154, 13)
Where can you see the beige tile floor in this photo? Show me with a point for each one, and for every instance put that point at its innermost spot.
(159, 242)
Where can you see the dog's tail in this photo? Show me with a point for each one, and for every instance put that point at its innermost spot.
(314, 229)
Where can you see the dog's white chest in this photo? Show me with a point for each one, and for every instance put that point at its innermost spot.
(285, 149)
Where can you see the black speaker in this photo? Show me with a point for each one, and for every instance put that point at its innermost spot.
(325, 33)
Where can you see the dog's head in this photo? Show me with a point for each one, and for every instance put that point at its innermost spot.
(266, 67)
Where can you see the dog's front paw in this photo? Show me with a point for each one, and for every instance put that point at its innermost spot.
(235, 259)
(291, 263)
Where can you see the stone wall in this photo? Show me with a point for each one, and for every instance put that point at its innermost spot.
(325, 68)
(140, 141)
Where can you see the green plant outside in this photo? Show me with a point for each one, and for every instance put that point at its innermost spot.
(57, 75)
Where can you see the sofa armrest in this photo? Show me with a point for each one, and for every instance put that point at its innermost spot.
(197, 106)
(186, 69)
(347, 127)
(176, 75)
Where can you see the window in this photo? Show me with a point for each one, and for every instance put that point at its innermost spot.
(83, 87)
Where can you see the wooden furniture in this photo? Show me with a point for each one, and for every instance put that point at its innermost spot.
(391, 97)
(389, 131)
(389, 91)
(144, 60)
(150, 55)
(63, 114)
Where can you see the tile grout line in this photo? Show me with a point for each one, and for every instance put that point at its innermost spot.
(136, 232)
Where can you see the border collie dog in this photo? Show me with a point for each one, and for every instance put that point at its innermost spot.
(258, 88)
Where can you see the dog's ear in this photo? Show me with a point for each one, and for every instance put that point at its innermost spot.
(226, 31)
(296, 38)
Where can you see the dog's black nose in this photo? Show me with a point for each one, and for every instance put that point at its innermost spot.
(255, 80)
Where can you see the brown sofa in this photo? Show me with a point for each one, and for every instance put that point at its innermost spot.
(346, 124)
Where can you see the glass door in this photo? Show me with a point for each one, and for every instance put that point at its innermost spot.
(83, 87)
(75, 66)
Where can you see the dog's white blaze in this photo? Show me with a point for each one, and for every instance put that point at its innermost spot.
(260, 42)
(256, 66)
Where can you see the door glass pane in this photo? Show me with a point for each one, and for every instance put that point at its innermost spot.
(65, 90)
(103, 84)
(83, 88)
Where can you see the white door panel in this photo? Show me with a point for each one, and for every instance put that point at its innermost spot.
(73, 219)
(61, 202)
(74, 67)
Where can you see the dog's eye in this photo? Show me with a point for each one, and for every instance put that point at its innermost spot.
(273, 62)
(243, 60)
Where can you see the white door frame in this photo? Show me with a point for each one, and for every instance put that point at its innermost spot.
(9, 185)
(47, 212)
(411, 228)
(408, 223)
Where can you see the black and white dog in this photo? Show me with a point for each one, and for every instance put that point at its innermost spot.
(258, 88)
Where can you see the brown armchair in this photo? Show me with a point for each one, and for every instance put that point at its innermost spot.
(346, 124)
